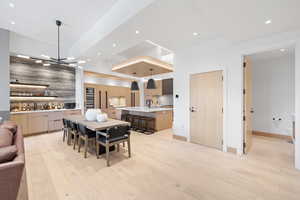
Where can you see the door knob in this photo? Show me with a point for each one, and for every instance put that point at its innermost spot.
(192, 109)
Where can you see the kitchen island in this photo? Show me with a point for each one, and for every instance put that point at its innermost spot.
(163, 117)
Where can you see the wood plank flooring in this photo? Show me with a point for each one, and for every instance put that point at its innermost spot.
(161, 168)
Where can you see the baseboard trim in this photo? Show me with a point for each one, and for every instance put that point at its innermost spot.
(231, 150)
(273, 135)
(181, 138)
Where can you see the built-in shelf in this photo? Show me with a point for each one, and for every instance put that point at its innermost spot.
(32, 98)
(27, 85)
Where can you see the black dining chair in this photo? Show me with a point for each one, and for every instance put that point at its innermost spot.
(65, 129)
(74, 133)
(69, 130)
(85, 135)
(113, 136)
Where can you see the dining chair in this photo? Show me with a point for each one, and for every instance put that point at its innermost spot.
(74, 132)
(69, 130)
(85, 135)
(65, 129)
(113, 136)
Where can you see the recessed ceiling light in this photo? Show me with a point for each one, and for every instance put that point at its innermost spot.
(114, 45)
(72, 65)
(81, 62)
(22, 56)
(70, 58)
(268, 21)
(12, 23)
(195, 34)
(137, 32)
(46, 64)
(282, 50)
(38, 61)
(45, 56)
(11, 5)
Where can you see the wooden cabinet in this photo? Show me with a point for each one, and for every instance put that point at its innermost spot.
(71, 112)
(164, 120)
(167, 86)
(40, 122)
(134, 99)
(112, 113)
(37, 123)
(103, 93)
(22, 121)
(154, 92)
(55, 121)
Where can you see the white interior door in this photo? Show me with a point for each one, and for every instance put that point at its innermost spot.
(206, 109)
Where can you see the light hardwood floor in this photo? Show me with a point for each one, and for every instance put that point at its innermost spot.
(161, 168)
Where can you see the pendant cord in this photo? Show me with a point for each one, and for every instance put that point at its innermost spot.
(58, 47)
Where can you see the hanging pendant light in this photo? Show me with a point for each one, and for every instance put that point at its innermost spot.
(151, 82)
(134, 85)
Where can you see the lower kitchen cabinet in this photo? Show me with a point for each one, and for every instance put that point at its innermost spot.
(22, 121)
(37, 123)
(41, 122)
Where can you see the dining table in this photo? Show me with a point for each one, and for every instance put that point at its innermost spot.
(94, 125)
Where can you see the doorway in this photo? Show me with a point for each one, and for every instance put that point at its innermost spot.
(206, 109)
(269, 105)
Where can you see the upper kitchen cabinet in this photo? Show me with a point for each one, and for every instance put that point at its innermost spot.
(167, 86)
(154, 92)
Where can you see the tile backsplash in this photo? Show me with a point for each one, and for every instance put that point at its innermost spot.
(165, 100)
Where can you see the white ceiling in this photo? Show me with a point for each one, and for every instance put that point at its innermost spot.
(36, 18)
(273, 54)
(170, 23)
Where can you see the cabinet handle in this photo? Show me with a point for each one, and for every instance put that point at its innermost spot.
(100, 103)
(106, 103)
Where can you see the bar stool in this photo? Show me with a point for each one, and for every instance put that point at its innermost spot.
(129, 118)
(142, 124)
(150, 124)
(135, 123)
(124, 117)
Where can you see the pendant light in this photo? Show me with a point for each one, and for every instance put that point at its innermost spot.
(151, 82)
(134, 85)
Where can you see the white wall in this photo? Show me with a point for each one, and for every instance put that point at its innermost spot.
(274, 94)
(4, 73)
(20, 44)
(297, 104)
(197, 60)
(79, 89)
(217, 55)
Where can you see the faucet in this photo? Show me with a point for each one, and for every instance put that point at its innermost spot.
(149, 102)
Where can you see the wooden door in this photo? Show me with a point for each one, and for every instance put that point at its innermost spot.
(247, 104)
(206, 109)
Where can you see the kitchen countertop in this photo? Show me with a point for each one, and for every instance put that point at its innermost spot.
(145, 109)
(41, 111)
